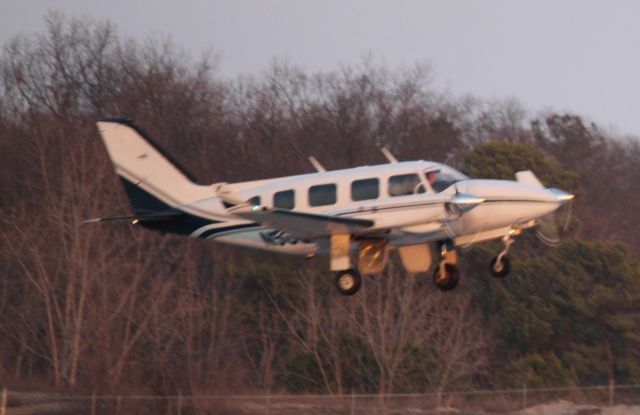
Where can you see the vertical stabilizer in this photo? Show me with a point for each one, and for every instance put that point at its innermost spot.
(152, 179)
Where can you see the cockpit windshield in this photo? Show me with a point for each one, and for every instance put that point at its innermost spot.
(443, 177)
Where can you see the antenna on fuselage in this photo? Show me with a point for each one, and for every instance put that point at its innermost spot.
(316, 164)
(388, 155)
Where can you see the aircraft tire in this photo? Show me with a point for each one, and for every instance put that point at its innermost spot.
(500, 271)
(449, 280)
(348, 282)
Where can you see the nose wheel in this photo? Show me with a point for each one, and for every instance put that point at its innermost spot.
(500, 264)
(348, 282)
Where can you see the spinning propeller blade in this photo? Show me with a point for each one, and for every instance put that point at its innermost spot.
(551, 227)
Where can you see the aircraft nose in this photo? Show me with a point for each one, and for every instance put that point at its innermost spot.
(561, 195)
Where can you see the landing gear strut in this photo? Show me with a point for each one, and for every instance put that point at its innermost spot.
(446, 276)
(500, 264)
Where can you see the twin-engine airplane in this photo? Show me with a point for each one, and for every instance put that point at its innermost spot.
(416, 207)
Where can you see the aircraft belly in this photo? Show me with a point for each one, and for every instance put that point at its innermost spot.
(251, 239)
(494, 220)
(480, 236)
(423, 228)
(500, 214)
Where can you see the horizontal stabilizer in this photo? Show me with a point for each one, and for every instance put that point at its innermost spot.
(165, 215)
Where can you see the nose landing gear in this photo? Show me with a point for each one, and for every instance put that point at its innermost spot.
(500, 267)
(500, 264)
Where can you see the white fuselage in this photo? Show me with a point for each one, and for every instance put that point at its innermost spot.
(375, 193)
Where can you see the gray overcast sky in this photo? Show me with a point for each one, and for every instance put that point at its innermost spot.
(568, 55)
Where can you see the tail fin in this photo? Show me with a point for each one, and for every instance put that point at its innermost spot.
(152, 179)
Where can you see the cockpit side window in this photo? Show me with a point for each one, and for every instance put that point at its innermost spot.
(405, 184)
(440, 179)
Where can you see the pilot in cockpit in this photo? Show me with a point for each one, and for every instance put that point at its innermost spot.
(432, 177)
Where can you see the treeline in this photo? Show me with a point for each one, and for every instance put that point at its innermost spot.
(117, 309)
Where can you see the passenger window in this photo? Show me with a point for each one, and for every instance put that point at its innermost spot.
(322, 195)
(365, 189)
(404, 184)
(284, 199)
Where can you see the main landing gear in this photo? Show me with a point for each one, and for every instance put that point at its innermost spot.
(348, 281)
(446, 275)
(373, 255)
(372, 259)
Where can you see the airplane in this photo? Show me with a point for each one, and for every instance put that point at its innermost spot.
(355, 216)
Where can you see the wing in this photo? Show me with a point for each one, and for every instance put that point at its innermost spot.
(305, 224)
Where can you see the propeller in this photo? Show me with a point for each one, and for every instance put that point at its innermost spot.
(553, 226)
